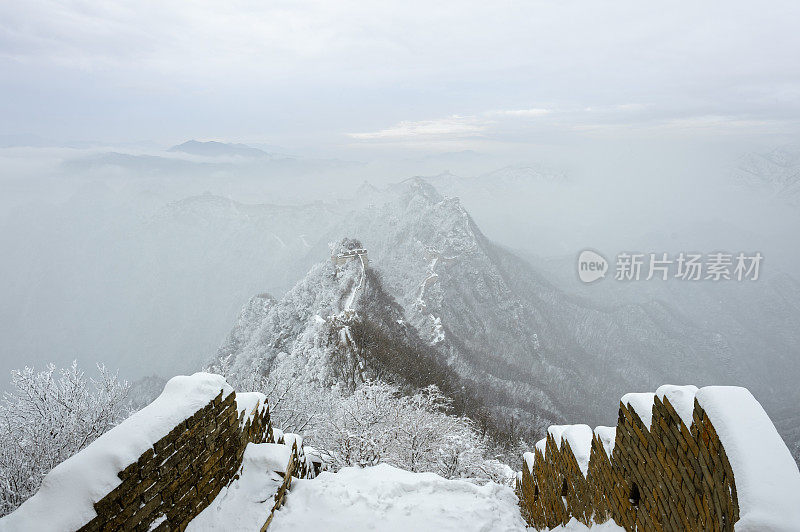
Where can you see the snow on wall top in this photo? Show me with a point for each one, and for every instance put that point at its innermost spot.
(580, 441)
(681, 398)
(557, 431)
(68, 492)
(542, 446)
(766, 476)
(246, 403)
(607, 435)
(289, 438)
(579, 438)
(268, 456)
(642, 404)
(529, 459)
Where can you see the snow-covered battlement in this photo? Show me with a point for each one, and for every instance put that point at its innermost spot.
(162, 466)
(678, 459)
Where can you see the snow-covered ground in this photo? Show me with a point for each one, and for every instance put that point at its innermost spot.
(393, 500)
(246, 503)
(381, 498)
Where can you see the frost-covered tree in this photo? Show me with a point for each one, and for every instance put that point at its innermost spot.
(295, 404)
(376, 423)
(431, 438)
(360, 429)
(358, 423)
(47, 417)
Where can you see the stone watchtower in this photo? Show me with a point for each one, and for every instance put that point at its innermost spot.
(340, 259)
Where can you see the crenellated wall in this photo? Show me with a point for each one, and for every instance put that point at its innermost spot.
(651, 472)
(682, 475)
(183, 471)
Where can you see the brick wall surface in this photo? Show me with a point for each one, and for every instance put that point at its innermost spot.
(667, 478)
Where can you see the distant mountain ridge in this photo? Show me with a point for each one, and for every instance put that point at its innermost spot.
(501, 180)
(214, 148)
(776, 172)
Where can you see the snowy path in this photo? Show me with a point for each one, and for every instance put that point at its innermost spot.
(349, 304)
(429, 280)
(435, 322)
(433, 256)
(388, 499)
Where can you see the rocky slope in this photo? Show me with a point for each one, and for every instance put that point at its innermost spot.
(530, 349)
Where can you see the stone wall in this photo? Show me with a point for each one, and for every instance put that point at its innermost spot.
(184, 471)
(663, 477)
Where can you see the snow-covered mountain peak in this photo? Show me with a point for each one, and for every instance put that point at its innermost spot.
(298, 323)
(217, 149)
(416, 188)
(366, 189)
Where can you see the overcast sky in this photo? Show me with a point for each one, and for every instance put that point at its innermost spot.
(433, 75)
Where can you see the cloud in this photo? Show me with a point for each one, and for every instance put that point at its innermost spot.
(612, 121)
(522, 112)
(631, 107)
(721, 125)
(689, 126)
(455, 126)
(623, 107)
(448, 128)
